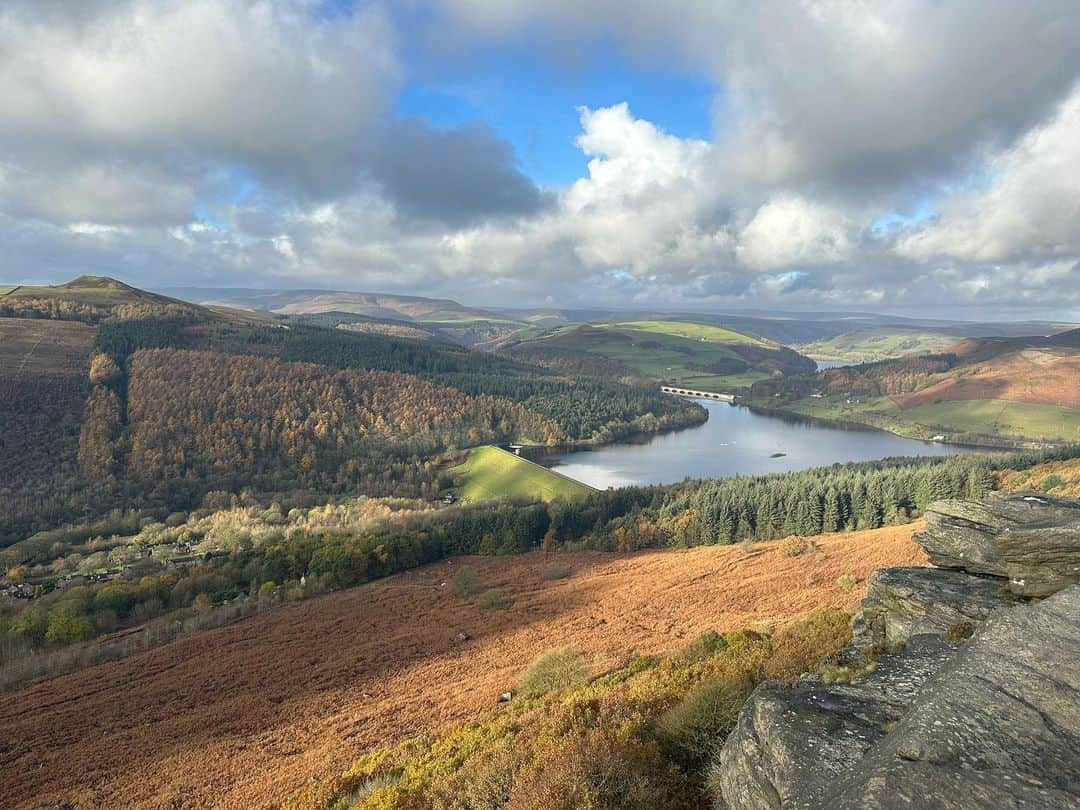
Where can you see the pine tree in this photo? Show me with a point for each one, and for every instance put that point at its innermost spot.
(831, 520)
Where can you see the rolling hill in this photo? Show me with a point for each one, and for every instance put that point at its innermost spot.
(700, 355)
(977, 390)
(491, 472)
(469, 326)
(115, 397)
(246, 714)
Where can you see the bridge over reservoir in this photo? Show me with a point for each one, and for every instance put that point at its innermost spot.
(689, 392)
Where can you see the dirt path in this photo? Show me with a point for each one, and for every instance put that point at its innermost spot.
(242, 716)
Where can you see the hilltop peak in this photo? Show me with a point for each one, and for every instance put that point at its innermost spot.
(97, 282)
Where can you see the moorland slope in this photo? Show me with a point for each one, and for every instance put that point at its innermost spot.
(243, 715)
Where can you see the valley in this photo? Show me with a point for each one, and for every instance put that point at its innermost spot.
(1005, 391)
(250, 553)
(505, 405)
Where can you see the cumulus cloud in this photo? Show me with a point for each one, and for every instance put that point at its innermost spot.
(111, 103)
(644, 207)
(262, 84)
(105, 193)
(862, 95)
(791, 231)
(455, 176)
(1028, 207)
(253, 142)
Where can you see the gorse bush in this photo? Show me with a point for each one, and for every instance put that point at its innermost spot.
(492, 599)
(465, 582)
(805, 644)
(692, 730)
(795, 546)
(599, 771)
(704, 646)
(556, 669)
(846, 582)
(637, 737)
(1051, 482)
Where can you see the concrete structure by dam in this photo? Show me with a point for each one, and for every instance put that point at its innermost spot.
(689, 392)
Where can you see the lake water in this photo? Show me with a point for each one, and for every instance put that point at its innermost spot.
(824, 364)
(735, 440)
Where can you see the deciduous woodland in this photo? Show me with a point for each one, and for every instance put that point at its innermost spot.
(173, 401)
(236, 548)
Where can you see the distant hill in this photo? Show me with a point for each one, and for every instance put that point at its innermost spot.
(977, 389)
(705, 356)
(374, 305)
(469, 326)
(111, 397)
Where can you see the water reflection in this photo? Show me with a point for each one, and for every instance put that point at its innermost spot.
(735, 440)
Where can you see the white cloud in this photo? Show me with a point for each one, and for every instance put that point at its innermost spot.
(1030, 206)
(791, 231)
(263, 84)
(863, 95)
(123, 123)
(106, 193)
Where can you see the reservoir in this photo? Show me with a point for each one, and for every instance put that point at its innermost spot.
(735, 440)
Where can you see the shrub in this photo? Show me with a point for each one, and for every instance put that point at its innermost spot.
(555, 669)
(691, 730)
(793, 546)
(491, 599)
(597, 772)
(846, 582)
(65, 628)
(1050, 482)
(364, 790)
(554, 571)
(485, 781)
(704, 646)
(465, 582)
(805, 644)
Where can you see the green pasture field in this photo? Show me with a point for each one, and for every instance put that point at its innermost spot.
(491, 472)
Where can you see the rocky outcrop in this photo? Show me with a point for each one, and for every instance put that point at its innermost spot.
(1031, 539)
(791, 745)
(937, 721)
(998, 726)
(905, 602)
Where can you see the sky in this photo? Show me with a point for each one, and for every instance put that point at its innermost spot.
(903, 156)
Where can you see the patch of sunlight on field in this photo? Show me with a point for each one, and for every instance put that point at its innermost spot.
(1000, 417)
(690, 330)
(490, 472)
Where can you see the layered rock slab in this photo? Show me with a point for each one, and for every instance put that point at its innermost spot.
(905, 602)
(997, 727)
(1031, 539)
(993, 723)
(790, 745)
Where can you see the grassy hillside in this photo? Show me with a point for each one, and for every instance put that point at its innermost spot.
(698, 355)
(694, 331)
(979, 390)
(491, 472)
(871, 345)
(999, 417)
